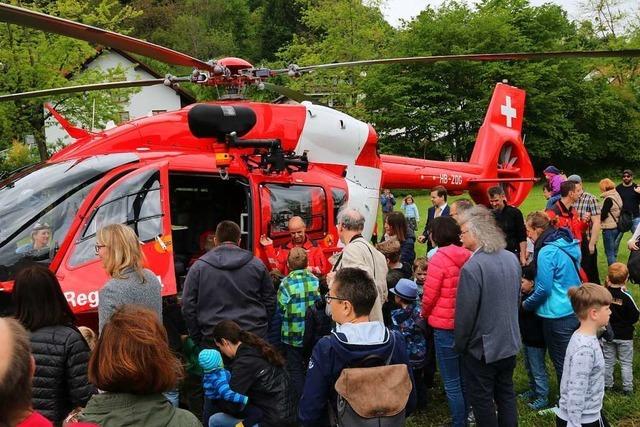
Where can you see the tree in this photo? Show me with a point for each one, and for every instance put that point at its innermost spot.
(38, 60)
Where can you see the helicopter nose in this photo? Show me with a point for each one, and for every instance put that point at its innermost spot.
(217, 121)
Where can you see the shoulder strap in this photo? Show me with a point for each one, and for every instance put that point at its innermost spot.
(573, 261)
(373, 260)
(619, 207)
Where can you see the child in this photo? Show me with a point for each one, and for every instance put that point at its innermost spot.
(554, 177)
(298, 291)
(317, 323)
(410, 210)
(216, 386)
(534, 348)
(420, 274)
(624, 313)
(582, 383)
(390, 248)
(411, 325)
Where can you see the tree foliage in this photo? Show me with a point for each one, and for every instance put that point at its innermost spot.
(579, 113)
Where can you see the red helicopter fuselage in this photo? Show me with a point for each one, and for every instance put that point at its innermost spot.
(173, 187)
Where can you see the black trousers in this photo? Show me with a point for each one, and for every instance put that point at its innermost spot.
(589, 261)
(489, 387)
(602, 422)
(430, 359)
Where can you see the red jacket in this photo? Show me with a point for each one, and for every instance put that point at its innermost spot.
(569, 218)
(441, 286)
(318, 263)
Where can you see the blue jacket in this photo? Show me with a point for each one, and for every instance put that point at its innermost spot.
(216, 387)
(334, 353)
(556, 271)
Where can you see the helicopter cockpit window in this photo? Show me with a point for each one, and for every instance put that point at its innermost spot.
(339, 200)
(135, 202)
(39, 204)
(296, 200)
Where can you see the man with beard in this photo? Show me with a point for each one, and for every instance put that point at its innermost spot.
(511, 221)
(318, 263)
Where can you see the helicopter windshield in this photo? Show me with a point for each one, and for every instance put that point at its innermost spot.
(38, 205)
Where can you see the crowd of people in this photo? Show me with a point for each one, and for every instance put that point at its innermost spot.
(354, 339)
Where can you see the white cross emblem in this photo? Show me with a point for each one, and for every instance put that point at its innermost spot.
(508, 111)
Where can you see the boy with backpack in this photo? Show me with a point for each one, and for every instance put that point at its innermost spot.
(624, 314)
(298, 291)
(412, 326)
(361, 372)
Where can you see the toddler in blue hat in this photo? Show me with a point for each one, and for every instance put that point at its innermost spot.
(216, 379)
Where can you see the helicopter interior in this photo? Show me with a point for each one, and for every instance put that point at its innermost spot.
(198, 204)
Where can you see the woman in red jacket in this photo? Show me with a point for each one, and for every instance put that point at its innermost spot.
(439, 305)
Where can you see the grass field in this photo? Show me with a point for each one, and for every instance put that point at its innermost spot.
(620, 410)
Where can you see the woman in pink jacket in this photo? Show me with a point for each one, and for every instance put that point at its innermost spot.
(439, 305)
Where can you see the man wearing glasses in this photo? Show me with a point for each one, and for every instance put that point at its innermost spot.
(318, 263)
(351, 296)
(630, 194)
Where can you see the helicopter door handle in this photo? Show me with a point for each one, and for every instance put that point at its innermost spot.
(160, 243)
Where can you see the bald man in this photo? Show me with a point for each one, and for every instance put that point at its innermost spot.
(318, 263)
(16, 372)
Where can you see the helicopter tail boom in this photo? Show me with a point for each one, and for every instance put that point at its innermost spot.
(498, 158)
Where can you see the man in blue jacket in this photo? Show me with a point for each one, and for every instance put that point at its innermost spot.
(350, 298)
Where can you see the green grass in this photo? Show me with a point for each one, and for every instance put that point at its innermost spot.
(619, 409)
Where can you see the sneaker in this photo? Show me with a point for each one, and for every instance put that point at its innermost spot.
(549, 411)
(471, 419)
(527, 395)
(539, 403)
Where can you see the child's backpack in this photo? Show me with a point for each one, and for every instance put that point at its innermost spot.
(373, 393)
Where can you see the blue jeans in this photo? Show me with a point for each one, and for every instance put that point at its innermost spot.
(611, 244)
(450, 366)
(557, 333)
(225, 420)
(537, 370)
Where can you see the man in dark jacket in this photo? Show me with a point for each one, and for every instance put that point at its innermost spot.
(351, 297)
(486, 319)
(511, 221)
(16, 372)
(630, 195)
(439, 208)
(227, 282)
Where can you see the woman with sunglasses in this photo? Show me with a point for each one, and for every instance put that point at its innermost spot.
(119, 249)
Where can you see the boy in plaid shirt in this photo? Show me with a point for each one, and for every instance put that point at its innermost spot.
(298, 291)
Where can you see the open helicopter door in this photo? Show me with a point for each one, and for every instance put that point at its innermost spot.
(140, 200)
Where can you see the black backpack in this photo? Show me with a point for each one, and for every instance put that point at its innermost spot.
(633, 264)
(625, 219)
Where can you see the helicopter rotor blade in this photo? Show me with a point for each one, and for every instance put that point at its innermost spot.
(89, 87)
(65, 27)
(289, 93)
(484, 57)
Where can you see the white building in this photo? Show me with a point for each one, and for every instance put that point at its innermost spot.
(147, 101)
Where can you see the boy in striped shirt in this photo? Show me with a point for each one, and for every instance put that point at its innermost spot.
(298, 291)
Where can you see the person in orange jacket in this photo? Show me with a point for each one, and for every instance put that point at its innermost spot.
(277, 258)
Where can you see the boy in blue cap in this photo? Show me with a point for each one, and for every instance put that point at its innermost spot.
(215, 383)
(411, 325)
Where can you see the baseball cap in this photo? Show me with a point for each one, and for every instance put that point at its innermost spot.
(627, 172)
(551, 169)
(575, 178)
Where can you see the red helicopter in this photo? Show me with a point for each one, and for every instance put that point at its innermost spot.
(174, 176)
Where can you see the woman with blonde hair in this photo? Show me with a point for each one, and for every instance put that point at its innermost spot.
(609, 218)
(119, 249)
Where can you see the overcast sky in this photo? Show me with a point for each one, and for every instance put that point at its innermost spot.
(407, 9)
